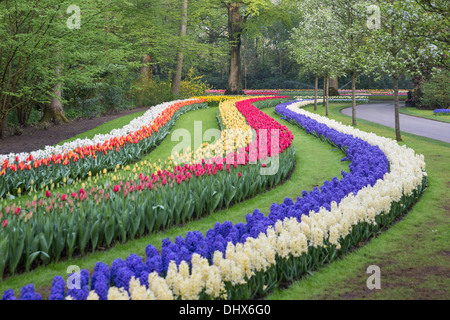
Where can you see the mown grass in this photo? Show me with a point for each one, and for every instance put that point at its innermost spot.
(427, 114)
(203, 120)
(414, 255)
(389, 98)
(316, 162)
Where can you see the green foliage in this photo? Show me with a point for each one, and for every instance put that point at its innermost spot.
(436, 92)
(314, 45)
(150, 92)
(102, 61)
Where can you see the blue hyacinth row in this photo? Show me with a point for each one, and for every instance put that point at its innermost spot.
(441, 111)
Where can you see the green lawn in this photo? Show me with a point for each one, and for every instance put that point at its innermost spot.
(414, 255)
(428, 114)
(316, 162)
(388, 98)
(205, 117)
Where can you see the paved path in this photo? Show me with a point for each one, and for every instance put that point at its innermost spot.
(383, 113)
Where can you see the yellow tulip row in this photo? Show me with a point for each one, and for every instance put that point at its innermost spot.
(237, 135)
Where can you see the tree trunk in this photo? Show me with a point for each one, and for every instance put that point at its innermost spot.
(54, 113)
(54, 110)
(324, 90)
(326, 97)
(333, 87)
(398, 135)
(316, 92)
(23, 113)
(235, 28)
(146, 70)
(281, 62)
(245, 75)
(353, 99)
(3, 125)
(176, 83)
(144, 81)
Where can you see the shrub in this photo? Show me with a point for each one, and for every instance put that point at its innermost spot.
(436, 92)
(192, 85)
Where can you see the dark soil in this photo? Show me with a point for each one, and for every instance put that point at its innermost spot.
(34, 138)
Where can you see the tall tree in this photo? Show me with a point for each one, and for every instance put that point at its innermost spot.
(42, 53)
(351, 20)
(240, 15)
(315, 46)
(236, 23)
(25, 41)
(149, 31)
(54, 111)
(402, 42)
(180, 55)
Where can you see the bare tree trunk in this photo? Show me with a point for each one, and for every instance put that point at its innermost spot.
(146, 70)
(3, 125)
(316, 93)
(54, 111)
(398, 135)
(235, 21)
(353, 99)
(333, 87)
(245, 75)
(325, 90)
(176, 83)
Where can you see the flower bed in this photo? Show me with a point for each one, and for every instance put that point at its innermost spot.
(64, 224)
(249, 92)
(240, 261)
(76, 160)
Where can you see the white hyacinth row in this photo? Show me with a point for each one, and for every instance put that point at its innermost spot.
(136, 124)
(289, 238)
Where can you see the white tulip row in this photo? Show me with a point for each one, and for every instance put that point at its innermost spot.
(288, 238)
(145, 120)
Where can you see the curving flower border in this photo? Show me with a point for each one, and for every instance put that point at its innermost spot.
(149, 118)
(100, 218)
(19, 176)
(287, 248)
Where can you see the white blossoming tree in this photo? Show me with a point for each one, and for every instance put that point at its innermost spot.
(314, 45)
(351, 17)
(403, 42)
